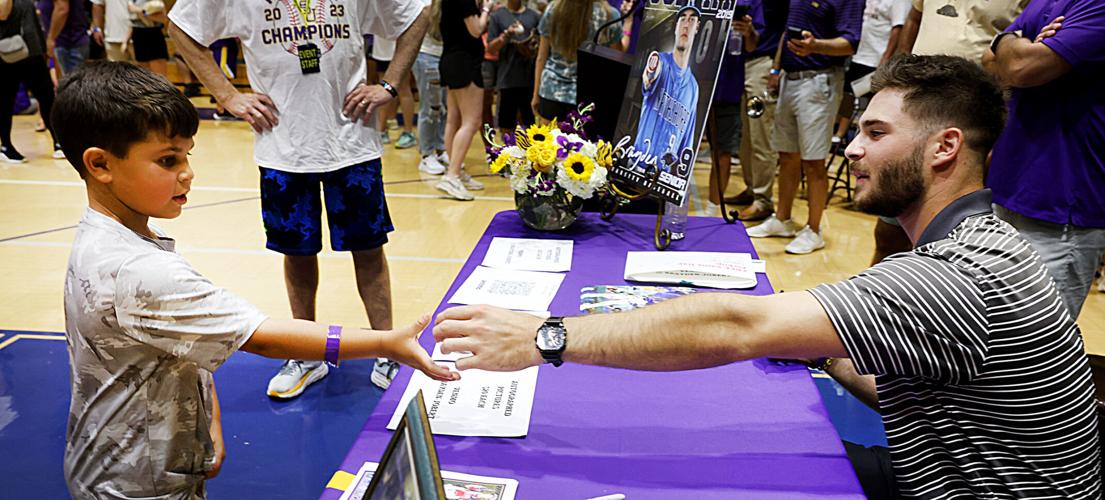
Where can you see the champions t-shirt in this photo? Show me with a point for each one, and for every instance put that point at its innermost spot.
(313, 134)
(668, 111)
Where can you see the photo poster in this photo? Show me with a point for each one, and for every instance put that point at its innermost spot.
(670, 89)
(409, 468)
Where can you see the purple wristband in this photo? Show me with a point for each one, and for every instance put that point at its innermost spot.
(333, 344)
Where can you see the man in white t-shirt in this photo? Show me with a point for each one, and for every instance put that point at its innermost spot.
(882, 26)
(307, 68)
(111, 28)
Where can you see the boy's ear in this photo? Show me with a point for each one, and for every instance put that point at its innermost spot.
(96, 164)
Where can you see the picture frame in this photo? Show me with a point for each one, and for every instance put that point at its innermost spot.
(409, 468)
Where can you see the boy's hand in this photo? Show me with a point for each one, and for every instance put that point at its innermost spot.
(402, 345)
(257, 110)
(220, 446)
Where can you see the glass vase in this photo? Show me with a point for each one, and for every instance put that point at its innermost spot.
(548, 213)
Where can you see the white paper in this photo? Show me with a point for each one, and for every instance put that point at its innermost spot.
(481, 403)
(524, 254)
(724, 270)
(518, 290)
(759, 266)
(453, 356)
(457, 486)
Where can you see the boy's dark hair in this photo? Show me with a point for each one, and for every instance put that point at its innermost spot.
(112, 105)
(947, 91)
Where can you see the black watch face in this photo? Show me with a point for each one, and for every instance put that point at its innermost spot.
(550, 339)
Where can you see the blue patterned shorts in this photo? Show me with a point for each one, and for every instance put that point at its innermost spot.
(356, 211)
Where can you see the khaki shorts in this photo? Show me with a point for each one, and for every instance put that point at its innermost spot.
(115, 51)
(806, 112)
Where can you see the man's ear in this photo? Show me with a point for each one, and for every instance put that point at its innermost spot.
(949, 145)
(96, 163)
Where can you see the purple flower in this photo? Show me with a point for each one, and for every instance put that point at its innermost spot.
(508, 139)
(566, 147)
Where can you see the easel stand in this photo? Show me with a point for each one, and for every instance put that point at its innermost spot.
(615, 197)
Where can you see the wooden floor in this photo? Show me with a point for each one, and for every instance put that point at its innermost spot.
(220, 233)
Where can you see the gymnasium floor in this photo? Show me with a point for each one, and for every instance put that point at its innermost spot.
(290, 449)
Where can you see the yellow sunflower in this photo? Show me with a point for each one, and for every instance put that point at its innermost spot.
(579, 167)
(537, 134)
(605, 155)
(543, 156)
(499, 163)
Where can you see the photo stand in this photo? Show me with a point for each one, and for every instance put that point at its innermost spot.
(617, 196)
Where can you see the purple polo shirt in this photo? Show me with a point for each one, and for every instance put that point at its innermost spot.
(730, 79)
(826, 19)
(75, 31)
(1049, 163)
(775, 23)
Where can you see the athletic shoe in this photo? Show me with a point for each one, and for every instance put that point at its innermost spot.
(443, 158)
(295, 376)
(191, 89)
(807, 241)
(10, 155)
(224, 116)
(429, 165)
(384, 372)
(384, 137)
(470, 183)
(453, 187)
(405, 140)
(773, 227)
(32, 108)
(58, 153)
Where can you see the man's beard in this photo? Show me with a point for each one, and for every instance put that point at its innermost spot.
(900, 184)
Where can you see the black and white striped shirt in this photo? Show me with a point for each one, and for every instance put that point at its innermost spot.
(982, 376)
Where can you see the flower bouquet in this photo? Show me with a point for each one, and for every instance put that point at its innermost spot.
(552, 169)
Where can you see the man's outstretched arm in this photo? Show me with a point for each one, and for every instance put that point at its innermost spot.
(697, 331)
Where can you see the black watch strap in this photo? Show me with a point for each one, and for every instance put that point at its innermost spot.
(388, 87)
(553, 356)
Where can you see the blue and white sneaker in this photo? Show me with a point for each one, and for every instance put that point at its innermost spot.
(384, 372)
(295, 376)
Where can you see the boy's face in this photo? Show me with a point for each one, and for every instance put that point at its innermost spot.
(154, 178)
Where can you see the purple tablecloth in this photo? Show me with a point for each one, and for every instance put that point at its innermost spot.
(746, 430)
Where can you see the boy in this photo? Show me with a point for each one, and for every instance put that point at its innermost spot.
(145, 330)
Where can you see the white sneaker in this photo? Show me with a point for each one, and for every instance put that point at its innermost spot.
(58, 153)
(807, 241)
(295, 376)
(430, 165)
(453, 187)
(384, 372)
(773, 227)
(443, 158)
(385, 138)
(470, 183)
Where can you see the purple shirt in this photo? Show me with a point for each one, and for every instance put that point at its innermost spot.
(1049, 163)
(826, 19)
(75, 31)
(775, 23)
(730, 79)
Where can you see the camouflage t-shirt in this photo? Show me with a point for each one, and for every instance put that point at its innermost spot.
(145, 331)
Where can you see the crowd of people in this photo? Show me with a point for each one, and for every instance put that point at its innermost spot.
(991, 212)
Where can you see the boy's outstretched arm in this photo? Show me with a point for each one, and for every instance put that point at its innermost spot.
(300, 339)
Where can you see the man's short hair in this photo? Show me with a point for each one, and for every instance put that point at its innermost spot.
(947, 91)
(112, 105)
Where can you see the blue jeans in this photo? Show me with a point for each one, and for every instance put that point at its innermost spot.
(1070, 253)
(70, 58)
(431, 107)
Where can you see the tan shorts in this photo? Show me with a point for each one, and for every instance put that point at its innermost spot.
(806, 112)
(115, 51)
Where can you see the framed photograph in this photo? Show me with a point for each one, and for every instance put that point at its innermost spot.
(409, 469)
(671, 86)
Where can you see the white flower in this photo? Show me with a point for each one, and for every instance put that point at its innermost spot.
(577, 188)
(514, 151)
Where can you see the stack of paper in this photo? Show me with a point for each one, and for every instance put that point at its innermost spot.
(481, 403)
(524, 254)
(704, 269)
(518, 290)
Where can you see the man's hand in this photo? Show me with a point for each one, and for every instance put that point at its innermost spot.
(773, 84)
(499, 340)
(363, 100)
(803, 47)
(743, 26)
(257, 110)
(1050, 30)
(652, 69)
(402, 345)
(98, 37)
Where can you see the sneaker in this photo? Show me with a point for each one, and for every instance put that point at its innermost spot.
(295, 376)
(430, 165)
(384, 372)
(406, 140)
(453, 187)
(224, 116)
(191, 89)
(58, 153)
(32, 108)
(385, 138)
(10, 155)
(443, 158)
(807, 241)
(469, 182)
(773, 227)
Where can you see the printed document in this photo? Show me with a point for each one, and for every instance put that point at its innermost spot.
(526, 254)
(518, 290)
(457, 486)
(481, 403)
(724, 270)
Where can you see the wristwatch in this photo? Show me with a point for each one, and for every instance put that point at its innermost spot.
(997, 40)
(551, 340)
(391, 90)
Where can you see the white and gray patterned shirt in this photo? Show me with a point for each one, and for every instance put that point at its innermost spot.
(145, 331)
(982, 376)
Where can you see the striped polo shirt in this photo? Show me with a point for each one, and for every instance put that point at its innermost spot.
(982, 376)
